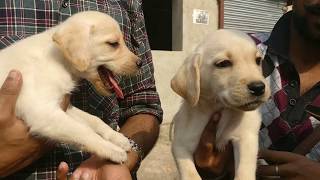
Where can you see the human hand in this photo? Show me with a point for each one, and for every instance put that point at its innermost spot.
(17, 148)
(209, 160)
(290, 166)
(95, 169)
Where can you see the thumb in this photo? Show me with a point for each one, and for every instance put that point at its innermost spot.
(209, 133)
(9, 91)
(62, 171)
(213, 122)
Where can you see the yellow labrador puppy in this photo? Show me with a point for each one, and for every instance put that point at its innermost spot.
(87, 45)
(223, 74)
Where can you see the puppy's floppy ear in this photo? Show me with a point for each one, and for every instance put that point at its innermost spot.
(186, 81)
(73, 40)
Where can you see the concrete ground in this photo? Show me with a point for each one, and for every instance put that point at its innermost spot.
(159, 164)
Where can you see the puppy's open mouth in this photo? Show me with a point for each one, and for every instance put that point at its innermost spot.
(109, 81)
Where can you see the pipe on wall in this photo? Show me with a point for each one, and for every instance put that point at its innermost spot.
(221, 13)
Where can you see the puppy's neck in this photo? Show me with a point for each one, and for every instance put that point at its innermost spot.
(72, 71)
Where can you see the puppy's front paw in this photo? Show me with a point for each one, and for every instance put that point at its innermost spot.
(221, 145)
(117, 139)
(118, 156)
(121, 141)
(108, 150)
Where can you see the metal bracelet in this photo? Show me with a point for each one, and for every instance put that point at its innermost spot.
(136, 148)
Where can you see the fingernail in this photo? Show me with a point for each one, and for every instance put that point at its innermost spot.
(13, 74)
(13, 78)
(11, 83)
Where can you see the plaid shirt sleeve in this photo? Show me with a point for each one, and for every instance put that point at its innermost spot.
(141, 91)
(19, 19)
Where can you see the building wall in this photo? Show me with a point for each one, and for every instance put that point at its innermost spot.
(186, 33)
(194, 33)
(159, 164)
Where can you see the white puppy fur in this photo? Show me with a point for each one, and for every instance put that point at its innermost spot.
(52, 62)
(223, 74)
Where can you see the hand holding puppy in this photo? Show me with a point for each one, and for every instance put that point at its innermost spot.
(208, 159)
(287, 165)
(17, 147)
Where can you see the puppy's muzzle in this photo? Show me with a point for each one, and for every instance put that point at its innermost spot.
(256, 88)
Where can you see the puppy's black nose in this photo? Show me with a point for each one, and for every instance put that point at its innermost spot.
(256, 88)
(139, 63)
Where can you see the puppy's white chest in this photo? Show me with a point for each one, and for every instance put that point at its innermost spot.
(235, 125)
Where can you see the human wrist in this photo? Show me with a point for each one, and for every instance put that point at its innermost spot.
(135, 156)
(133, 161)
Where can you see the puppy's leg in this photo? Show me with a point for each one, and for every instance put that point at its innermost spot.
(245, 155)
(100, 127)
(185, 162)
(55, 124)
(225, 127)
(186, 139)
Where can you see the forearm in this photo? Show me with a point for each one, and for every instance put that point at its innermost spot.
(144, 130)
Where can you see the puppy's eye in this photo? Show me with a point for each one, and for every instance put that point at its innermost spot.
(223, 64)
(258, 61)
(113, 44)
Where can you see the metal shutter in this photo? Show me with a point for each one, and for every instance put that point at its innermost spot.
(252, 15)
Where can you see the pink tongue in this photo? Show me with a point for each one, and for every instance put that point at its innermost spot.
(115, 87)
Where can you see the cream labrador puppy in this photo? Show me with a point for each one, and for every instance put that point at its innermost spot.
(87, 45)
(223, 74)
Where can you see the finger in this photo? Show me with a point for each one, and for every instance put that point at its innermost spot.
(267, 170)
(278, 156)
(62, 172)
(9, 91)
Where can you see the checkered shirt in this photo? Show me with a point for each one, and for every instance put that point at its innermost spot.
(286, 121)
(22, 18)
